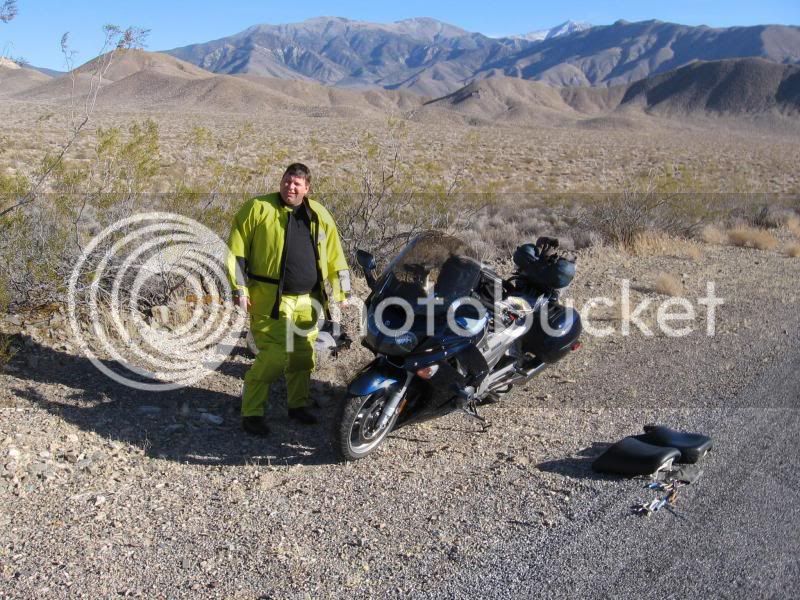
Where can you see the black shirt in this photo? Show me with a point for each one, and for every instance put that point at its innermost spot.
(300, 276)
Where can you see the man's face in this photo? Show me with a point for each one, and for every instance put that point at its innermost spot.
(293, 189)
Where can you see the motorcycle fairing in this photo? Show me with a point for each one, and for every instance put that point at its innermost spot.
(433, 398)
(377, 375)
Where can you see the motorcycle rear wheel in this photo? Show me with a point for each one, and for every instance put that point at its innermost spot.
(357, 435)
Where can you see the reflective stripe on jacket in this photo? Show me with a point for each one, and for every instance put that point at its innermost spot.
(256, 246)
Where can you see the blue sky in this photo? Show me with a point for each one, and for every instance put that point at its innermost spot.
(36, 32)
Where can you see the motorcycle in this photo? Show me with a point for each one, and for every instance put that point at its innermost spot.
(449, 335)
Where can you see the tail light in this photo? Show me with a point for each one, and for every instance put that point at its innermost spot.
(576, 346)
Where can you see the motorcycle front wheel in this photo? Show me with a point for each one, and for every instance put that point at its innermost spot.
(357, 432)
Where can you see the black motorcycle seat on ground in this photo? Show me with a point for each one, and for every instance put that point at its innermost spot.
(692, 446)
(634, 457)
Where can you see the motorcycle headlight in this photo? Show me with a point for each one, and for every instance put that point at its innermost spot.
(389, 344)
(406, 341)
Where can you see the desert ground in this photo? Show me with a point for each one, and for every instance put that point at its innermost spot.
(110, 491)
(588, 155)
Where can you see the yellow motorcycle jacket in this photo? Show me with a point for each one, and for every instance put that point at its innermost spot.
(256, 257)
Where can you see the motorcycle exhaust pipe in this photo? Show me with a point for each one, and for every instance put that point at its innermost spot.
(525, 374)
(493, 396)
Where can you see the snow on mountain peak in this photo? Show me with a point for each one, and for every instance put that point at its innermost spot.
(565, 28)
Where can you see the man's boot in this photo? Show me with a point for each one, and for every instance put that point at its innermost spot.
(255, 426)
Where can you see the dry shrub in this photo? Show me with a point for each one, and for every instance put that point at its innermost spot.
(750, 237)
(652, 243)
(669, 285)
(693, 252)
(585, 239)
(770, 217)
(7, 351)
(485, 251)
(654, 201)
(505, 238)
(658, 243)
(713, 235)
(793, 250)
(793, 225)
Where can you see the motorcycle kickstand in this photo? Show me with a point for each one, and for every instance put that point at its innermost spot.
(474, 415)
(469, 407)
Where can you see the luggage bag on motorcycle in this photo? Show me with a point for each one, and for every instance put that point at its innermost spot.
(546, 272)
(554, 332)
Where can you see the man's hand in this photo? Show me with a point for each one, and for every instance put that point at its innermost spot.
(349, 300)
(242, 301)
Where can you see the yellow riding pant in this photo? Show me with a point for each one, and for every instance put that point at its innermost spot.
(281, 350)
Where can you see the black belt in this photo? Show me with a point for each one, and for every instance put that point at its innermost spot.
(274, 313)
(263, 279)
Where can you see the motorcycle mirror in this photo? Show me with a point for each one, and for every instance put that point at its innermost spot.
(366, 260)
(367, 263)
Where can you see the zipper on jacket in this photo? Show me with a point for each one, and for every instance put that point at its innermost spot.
(282, 270)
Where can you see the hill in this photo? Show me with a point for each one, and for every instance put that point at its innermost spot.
(147, 80)
(505, 99)
(15, 79)
(738, 88)
(125, 63)
(128, 62)
(728, 87)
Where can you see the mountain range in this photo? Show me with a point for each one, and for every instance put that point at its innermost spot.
(486, 81)
(434, 58)
(731, 87)
(153, 81)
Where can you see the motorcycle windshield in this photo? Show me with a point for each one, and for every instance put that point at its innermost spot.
(433, 266)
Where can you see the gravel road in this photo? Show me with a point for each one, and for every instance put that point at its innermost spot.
(735, 533)
(107, 491)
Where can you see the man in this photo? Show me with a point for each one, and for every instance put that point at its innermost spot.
(283, 246)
